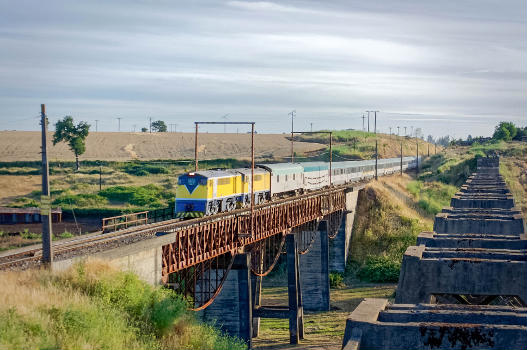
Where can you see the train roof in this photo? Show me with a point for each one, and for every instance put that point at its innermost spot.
(314, 166)
(247, 171)
(215, 173)
(283, 168)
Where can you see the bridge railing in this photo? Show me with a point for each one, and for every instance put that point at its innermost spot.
(120, 222)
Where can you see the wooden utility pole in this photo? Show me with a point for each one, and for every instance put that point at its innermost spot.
(45, 210)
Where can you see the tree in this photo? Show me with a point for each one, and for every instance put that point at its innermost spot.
(430, 139)
(143, 129)
(159, 126)
(505, 131)
(74, 136)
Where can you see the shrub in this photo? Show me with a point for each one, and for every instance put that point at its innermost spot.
(380, 269)
(148, 196)
(80, 200)
(336, 279)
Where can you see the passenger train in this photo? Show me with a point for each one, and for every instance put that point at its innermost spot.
(209, 192)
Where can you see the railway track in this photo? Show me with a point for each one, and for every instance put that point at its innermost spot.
(85, 245)
(32, 257)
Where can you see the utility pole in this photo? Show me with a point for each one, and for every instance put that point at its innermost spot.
(428, 150)
(376, 156)
(119, 120)
(401, 158)
(292, 114)
(435, 145)
(363, 122)
(311, 127)
(150, 119)
(368, 121)
(96, 125)
(398, 133)
(417, 159)
(375, 121)
(45, 210)
(225, 125)
(100, 177)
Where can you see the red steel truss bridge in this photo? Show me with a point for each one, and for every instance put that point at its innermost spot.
(198, 260)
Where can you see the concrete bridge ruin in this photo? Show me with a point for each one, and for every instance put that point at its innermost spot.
(462, 286)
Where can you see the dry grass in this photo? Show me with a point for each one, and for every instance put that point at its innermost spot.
(94, 306)
(323, 330)
(122, 146)
(514, 170)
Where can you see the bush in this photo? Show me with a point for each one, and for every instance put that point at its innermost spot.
(336, 279)
(148, 196)
(80, 200)
(380, 269)
(144, 169)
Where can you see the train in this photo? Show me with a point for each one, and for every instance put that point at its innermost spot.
(209, 192)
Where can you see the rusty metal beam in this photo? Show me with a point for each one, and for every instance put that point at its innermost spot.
(207, 239)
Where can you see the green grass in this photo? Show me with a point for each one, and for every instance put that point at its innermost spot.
(431, 196)
(95, 307)
(380, 237)
(153, 196)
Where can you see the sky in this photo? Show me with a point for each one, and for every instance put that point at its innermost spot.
(448, 67)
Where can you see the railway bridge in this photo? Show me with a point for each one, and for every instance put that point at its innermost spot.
(218, 261)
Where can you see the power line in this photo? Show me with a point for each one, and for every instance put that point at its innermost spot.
(119, 127)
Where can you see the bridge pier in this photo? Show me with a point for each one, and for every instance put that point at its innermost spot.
(314, 272)
(339, 246)
(232, 308)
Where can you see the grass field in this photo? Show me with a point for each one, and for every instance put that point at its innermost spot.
(93, 306)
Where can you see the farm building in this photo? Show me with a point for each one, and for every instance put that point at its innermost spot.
(26, 215)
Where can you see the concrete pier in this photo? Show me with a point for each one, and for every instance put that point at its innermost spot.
(427, 271)
(476, 255)
(314, 272)
(339, 246)
(232, 308)
(468, 220)
(376, 325)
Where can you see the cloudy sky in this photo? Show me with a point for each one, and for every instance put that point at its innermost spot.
(449, 67)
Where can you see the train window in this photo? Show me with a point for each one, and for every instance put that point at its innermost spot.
(286, 178)
(203, 182)
(191, 181)
(277, 178)
(293, 177)
(181, 181)
(224, 181)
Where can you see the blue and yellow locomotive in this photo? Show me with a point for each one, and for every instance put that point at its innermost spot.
(211, 191)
